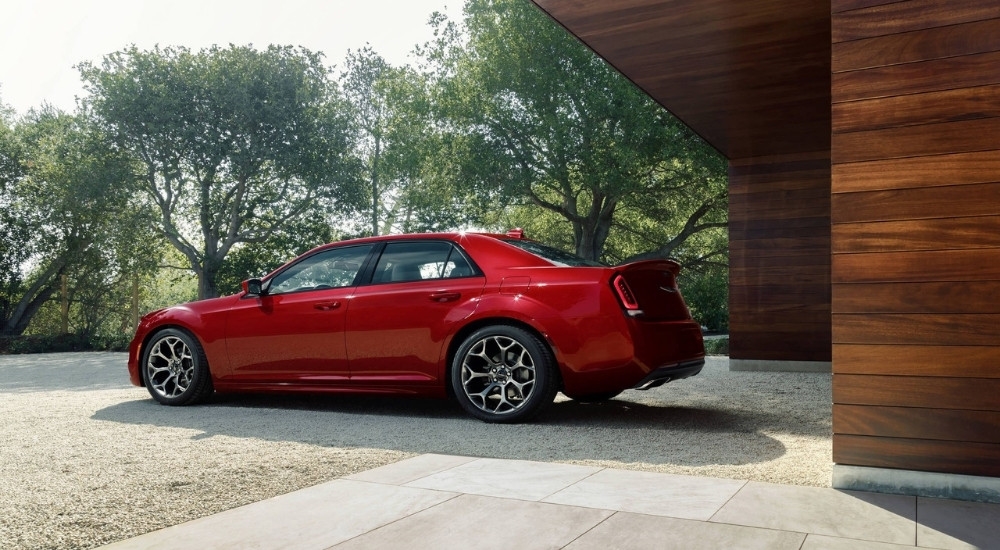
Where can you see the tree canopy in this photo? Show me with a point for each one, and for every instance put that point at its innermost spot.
(552, 125)
(234, 142)
(68, 207)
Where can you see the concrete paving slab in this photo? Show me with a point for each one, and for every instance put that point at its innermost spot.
(411, 469)
(644, 532)
(823, 542)
(314, 518)
(953, 524)
(483, 523)
(438, 501)
(519, 479)
(845, 514)
(677, 496)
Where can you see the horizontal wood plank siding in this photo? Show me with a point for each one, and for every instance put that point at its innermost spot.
(779, 276)
(899, 17)
(915, 234)
(969, 458)
(916, 172)
(967, 71)
(917, 423)
(965, 297)
(947, 361)
(916, 204)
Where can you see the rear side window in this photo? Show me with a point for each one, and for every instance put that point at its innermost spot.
(421, 260)
(554, 255)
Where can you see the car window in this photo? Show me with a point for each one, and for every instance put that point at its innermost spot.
(554, 255)
(333, 268)
(420, 260)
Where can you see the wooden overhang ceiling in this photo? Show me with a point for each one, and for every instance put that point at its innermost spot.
(750, 76)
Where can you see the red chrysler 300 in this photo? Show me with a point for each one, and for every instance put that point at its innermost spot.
(498, 322)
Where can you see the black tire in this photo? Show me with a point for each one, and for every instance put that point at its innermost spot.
(596, 397)
(504, 374)
(175, 369)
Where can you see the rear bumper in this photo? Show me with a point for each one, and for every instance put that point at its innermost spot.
(669, 373)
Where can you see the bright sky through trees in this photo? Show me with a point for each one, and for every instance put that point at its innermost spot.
(42, 40)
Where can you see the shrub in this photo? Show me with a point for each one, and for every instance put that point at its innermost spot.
(717, 346)
(707, 295)
(63, 343)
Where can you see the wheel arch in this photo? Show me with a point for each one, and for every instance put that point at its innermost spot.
(158, 329)
(459, 337)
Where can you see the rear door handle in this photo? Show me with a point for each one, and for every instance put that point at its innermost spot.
(326, 306)
(445, 296)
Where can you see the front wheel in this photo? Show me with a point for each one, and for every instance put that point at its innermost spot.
(175, 368)
(504, 374)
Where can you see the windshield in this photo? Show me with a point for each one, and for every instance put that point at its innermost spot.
(554, 255)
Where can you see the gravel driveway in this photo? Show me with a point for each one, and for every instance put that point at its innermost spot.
(86, 459)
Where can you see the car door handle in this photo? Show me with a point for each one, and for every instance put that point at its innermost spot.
(445, 296)
(326, 306)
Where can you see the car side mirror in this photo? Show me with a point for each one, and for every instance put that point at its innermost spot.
(252, 287)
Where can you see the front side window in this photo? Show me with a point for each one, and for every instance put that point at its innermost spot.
(334, 268)
(420, 260)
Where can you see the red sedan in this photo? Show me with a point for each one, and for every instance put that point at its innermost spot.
(499, 322)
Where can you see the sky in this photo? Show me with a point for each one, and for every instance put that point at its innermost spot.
(42, 40)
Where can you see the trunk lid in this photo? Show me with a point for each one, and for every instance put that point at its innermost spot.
(653, 288)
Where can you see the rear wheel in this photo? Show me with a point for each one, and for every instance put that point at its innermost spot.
(175, 368)
(503, 373)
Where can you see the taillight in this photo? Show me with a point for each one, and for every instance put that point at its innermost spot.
(626, 296)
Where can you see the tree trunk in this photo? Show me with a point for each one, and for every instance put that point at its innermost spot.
(209, 268)
(135, 304)
(32, 300)
(375, 184)
(64, 297)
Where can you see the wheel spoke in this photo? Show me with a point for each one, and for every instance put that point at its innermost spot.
(170, 366)
(498, 374)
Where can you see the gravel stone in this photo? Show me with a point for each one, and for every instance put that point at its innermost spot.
(87, 459)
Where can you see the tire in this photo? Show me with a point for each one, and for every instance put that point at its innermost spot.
(597, 397)
(503, 374)
(175, 369)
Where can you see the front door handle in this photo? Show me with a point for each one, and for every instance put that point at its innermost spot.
(326, 306)
(445, 296)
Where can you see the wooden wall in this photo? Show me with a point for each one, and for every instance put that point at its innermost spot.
(916, 234)
(779, 248)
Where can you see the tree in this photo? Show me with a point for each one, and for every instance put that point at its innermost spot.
(550, 123)
(234, 142)
(68, 206)
(365, 87)
(14, 231)
(292, 239)
(402, 150)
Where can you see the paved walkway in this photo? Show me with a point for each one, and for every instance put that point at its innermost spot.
(439, 501)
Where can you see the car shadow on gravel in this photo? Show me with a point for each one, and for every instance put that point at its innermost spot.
(622, 430)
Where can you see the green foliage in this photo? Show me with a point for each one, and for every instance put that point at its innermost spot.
(706, 292)
(15, 232)
(257, 259)
(73, 218)
(62, 343)
(233, 142)
(549, 124)
(717, 346)
(409, 173)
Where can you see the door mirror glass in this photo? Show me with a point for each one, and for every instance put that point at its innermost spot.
(252, 287)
